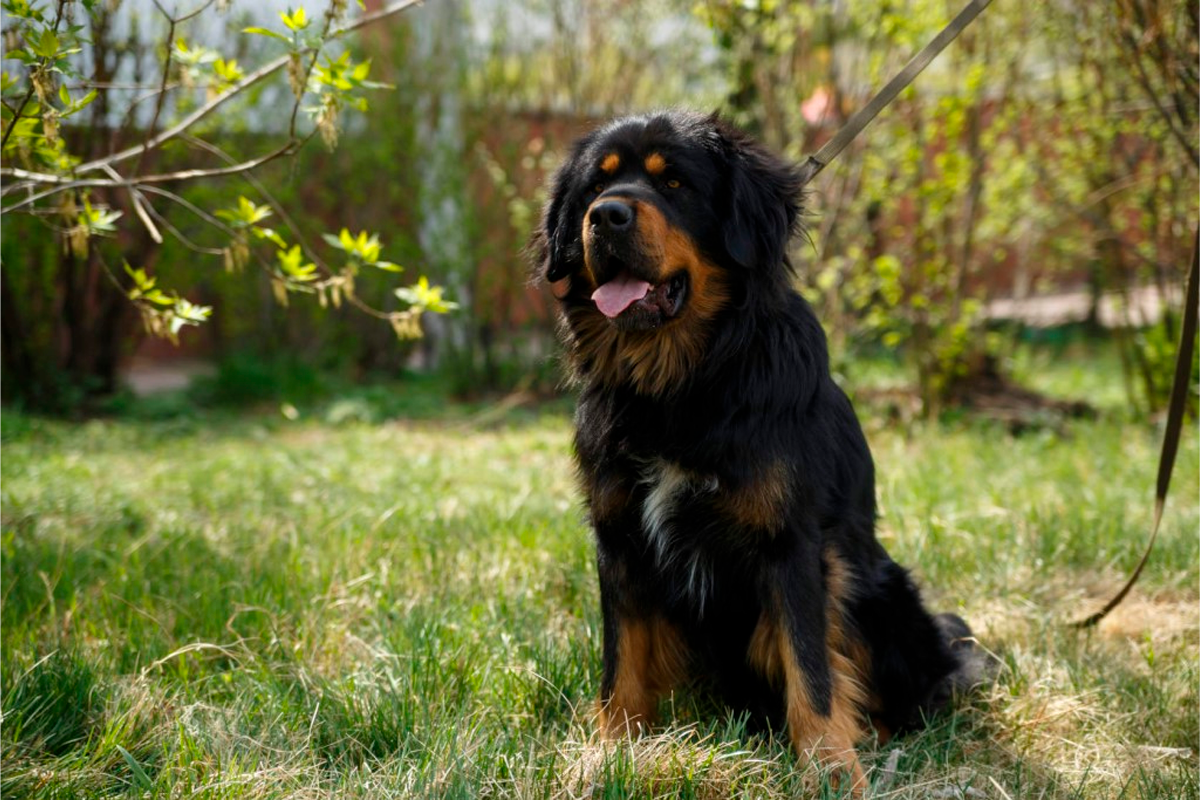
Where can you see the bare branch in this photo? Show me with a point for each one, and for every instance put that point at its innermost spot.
(189, 15)
(115, 86)
(165, 177)
(367, 309)
(190, 206)
(162, 89)
(191, 119)
(188, 243)
(112, 276)
(138, 207)
(66, 187)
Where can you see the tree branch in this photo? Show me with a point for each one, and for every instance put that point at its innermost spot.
(138, 207)
(66, 187)
(275, 205)
(1143, 81)
(190, 206)
(164, 177)
(162, 89)
(188, 243)
(308, 72)
(16, 117)
(194, 13)
(265, 71)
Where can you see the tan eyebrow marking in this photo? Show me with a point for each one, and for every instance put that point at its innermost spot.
(655, 164)
(610, 163)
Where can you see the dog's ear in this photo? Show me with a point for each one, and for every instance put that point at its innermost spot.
(764, 202)
(556, 244)
(556, 263)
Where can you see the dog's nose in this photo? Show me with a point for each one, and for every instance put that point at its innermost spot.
(611, 216)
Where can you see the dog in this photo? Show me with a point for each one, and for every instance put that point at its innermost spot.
(725, 474)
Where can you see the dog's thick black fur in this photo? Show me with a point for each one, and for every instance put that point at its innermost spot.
(725, 473)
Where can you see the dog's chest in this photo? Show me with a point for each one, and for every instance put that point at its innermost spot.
(674, 496)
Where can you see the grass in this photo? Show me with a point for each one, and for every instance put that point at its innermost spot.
(223, 606)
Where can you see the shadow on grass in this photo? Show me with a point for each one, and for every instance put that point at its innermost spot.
(180, 415)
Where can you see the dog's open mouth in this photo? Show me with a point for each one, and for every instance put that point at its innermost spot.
(634, 303)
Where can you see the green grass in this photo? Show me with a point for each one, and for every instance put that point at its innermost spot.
(216, 606)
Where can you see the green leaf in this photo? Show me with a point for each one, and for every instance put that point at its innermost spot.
(140, 778)
(270, 235)
(84, 101)
(188, 313)
(98, 219)
(295, 20)
(193, 56)
(365, 247)
(424, 297)
(228, 71)
(289, 263)
(247, 213)
(265, 32)
(22, 9)
(47, 45)
(139, 276)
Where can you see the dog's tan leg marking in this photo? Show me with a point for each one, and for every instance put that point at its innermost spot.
(651, 659)
(829, 738)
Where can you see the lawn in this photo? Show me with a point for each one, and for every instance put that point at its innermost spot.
(220, 606)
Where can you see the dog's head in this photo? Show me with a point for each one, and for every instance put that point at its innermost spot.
(657, 227)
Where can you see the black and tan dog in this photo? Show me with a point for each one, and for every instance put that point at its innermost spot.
(726, 475)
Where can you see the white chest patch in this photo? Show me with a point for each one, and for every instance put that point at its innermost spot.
(668, 484)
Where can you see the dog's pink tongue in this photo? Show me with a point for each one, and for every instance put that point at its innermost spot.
(618, 294)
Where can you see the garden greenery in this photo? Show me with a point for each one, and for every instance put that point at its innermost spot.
(57, 79)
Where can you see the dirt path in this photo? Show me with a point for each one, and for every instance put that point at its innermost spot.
(146, 376)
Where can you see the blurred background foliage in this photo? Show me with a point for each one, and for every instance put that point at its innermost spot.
(1038, 181)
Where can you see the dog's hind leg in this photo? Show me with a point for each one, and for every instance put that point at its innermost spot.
(918, 661)
(800, 643)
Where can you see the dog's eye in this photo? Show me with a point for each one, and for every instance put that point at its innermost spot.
(672, 184)
(598, 188)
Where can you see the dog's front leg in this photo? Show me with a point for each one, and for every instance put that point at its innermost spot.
(644, 655)
(823, 690)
